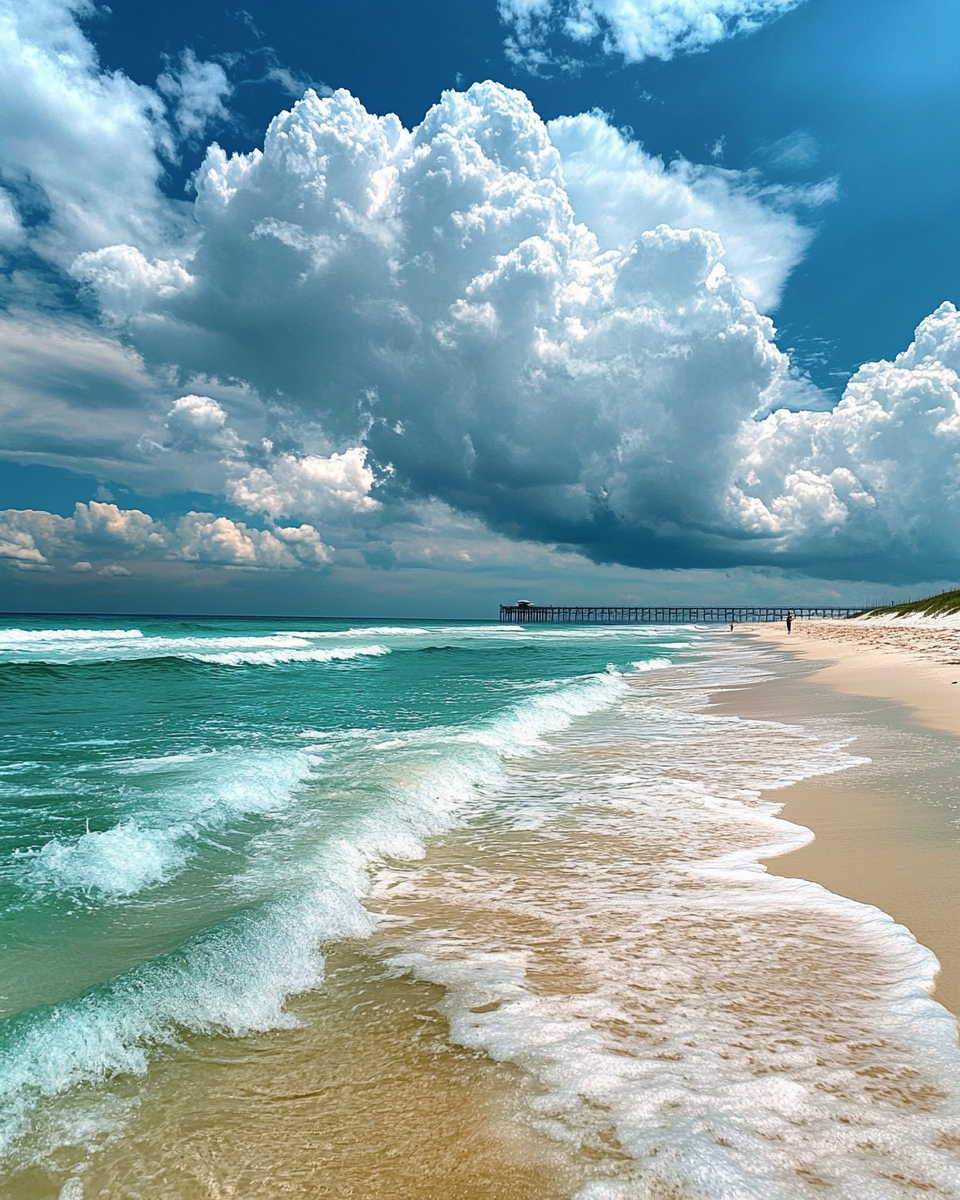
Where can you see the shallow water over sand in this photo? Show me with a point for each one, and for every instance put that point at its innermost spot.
(584, 987)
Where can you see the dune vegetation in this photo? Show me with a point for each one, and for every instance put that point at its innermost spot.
(941, 605)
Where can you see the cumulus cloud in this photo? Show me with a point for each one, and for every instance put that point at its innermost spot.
(18, 545)
(432, 295)
(32, 538)
(99, 523)
(202, 537)
(262, 480)
(312, 485)
(197, 423)
(392, 262)
(875, 481)
(618, 190)
(25, 535)
(542, 327)
(633, 29)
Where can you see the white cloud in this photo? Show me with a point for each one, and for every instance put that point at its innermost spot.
(202, 537)
(71, 396)
(100, 523)
(619, 191)
(30, 538)
(11, 230)
(80, 143)
(127, 279)
(293, 82)
(433, 294)
(303, 543)
(542, 327)
(876, 478)
(197, 423)
(312, 486)
(334, 486)
(633, 29)
(18, 545)
(196, 91)
(78, 399)
(797, 150)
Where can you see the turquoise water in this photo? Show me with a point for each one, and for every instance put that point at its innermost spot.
(191, 807)
(549, 825)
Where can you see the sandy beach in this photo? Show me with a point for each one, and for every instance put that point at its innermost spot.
(915, 664)
(887, 835)
(513, 945)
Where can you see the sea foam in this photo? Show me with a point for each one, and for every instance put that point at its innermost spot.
(235, 977)
(114, 862)
(694, 1026)
(69, 646)
(689, 1025)
(180, 800)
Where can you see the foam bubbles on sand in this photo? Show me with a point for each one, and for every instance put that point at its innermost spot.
(696, 1027)
(235, 976)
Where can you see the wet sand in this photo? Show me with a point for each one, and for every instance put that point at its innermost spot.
(888, 834)
(372, 1097)
(916, 666)
(365, 1100)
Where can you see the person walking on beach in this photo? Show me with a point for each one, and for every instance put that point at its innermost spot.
(789, 621)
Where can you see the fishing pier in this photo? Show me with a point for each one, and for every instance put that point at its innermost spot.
(527, 613)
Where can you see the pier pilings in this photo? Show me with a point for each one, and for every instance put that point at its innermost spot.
(661, 614)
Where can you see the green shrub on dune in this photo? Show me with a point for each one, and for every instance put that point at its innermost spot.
(941, 605)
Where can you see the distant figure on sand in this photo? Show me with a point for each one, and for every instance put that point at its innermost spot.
(789, 621)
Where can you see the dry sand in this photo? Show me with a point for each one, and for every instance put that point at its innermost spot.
(887, 835)
(918, 666)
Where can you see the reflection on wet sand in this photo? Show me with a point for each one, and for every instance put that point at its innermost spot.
(590, 991)
(366, 1099)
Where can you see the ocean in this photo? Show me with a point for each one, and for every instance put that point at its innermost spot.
(314, 908)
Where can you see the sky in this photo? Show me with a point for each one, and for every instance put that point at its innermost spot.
(407, 310)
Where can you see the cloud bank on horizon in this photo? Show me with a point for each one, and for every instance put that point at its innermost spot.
(31, 538)
(536, 325)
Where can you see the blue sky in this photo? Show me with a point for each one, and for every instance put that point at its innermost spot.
(556, 373)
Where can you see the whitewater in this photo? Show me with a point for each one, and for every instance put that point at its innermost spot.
(245, 866)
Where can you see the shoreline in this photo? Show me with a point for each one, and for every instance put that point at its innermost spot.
(886, 834)
(562, 992)
(912, 666)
